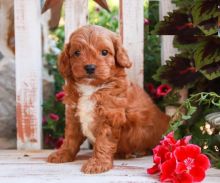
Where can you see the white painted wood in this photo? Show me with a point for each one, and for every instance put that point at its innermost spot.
(132, 32)
(30, 167)
(28, 73)
(167, 48)
(76, 15)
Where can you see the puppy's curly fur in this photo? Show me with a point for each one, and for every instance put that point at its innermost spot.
(117, 116)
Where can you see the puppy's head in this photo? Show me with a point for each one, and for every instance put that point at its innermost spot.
(92, 54)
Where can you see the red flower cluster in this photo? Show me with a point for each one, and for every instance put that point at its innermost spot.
(160, 91)
(178, 161)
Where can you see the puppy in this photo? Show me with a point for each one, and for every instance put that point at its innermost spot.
(117, 116)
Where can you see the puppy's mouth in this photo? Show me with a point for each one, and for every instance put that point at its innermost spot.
(90, 76)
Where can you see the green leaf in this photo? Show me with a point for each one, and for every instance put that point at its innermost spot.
(186, 117)
(206, 54)
(204, 10)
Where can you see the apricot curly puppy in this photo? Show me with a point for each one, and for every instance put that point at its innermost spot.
(117, 116)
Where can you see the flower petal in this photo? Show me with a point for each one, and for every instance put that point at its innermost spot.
(180, 168)
(168, 168)
(185, 178)
(180, 153)
(197, 173)
(154, 169)
(192, 150)
(202, 161)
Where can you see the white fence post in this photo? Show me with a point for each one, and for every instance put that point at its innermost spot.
(167, 48)
(132, 32)
(76, 15)
(28, 59)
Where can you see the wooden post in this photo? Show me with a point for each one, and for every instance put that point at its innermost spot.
(76, 15)
(167, 48)
(132, 32)
(28, 59)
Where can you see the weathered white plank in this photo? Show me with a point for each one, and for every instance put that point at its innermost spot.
(76, 13)
(132, 32)
(28, 73)
(31, 167)
(167, 48)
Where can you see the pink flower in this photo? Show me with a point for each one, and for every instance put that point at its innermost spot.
(59, 142)
(178, 161)
(146, 22)
(60, 96)
(54, 117)
(163, 90)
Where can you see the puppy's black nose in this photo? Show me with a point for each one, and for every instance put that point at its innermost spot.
(90, 69)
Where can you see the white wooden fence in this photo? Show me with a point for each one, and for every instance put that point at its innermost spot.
(29, 57)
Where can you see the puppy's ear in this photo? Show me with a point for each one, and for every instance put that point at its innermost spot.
(121, 55)
(63, 63)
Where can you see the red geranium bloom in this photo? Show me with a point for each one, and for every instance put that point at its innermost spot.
(163, 90)
(60, 96)
(179, 162)
(191, 161)
(164, 151)
(54, 117)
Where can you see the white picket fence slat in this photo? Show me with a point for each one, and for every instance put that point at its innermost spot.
(132, 33)
(28, 60)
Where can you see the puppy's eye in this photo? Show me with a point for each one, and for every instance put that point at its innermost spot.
(104, 52)
(77, 53)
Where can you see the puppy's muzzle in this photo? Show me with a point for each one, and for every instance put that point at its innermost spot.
(90, 68)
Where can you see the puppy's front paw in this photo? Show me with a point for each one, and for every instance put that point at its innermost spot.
(94, 165)
(60, 156)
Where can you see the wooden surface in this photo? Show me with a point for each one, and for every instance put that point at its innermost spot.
(28, 60)
(132, 32)
(30, 167)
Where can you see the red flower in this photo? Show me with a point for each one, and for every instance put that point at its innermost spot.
(163, 90)
(150, 88)
(59, 142)
(60, 96)
(54, 117)
(191, 161)
(164, 151)
(178, 161)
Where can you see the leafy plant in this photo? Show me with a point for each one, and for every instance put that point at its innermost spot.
(190, 120)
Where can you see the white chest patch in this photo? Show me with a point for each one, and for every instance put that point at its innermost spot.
(85, 109)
